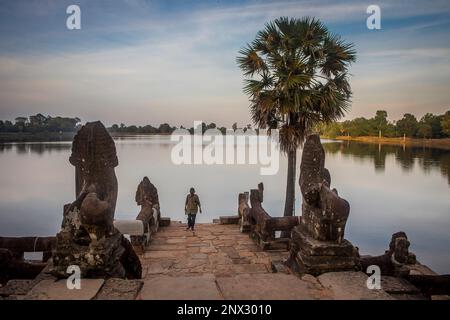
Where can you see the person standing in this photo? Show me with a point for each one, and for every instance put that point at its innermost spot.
(191, 208)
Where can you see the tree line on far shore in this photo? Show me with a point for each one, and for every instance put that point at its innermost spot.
(168, 129)
(48, 124)
(427, 127)
(40, 123)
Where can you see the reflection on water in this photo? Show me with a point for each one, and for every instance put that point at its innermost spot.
(406, 157)
(390, 188)
(37, 147)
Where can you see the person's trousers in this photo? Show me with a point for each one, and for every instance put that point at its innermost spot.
(191, 220)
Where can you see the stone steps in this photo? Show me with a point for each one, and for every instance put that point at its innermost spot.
(215, 262)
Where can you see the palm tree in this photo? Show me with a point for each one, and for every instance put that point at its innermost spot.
(296, 77)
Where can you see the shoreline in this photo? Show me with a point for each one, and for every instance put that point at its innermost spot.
(24, 137)
(19, 137)
(429, 143)
(6, 138)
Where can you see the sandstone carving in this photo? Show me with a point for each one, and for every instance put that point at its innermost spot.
(260, 224)
(150, 215)
(147, 191)
(244, 212)
(318, 243)
(88, 238)
(397, 260)
(324, 213)
(399, 249)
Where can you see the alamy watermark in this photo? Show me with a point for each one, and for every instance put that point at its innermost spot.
(373, 22)
(73, 21)
(235, 147)
(74, 280)
(374, 280)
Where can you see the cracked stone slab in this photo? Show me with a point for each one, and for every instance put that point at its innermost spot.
(57, 290)
(420, 269)
(163, 254)
(159, 266)
(230, 252)
(201, 287)
(397, 285)
(351, 285)
(16, 287)
(119, 289)
(268, 286)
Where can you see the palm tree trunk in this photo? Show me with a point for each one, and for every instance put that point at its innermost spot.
(290, 184)
(289, 205)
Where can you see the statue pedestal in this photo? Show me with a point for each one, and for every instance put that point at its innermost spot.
(316, 257)
(95, 260)
(109, 256)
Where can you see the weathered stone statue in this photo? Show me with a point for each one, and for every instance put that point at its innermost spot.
(324, 213)
(147, 198)
(88, 238)
(244, 212)
(318, 243)
(399, 249)
(147, 191)
(396, 260)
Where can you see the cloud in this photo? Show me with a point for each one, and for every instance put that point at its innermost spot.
(434, 53)
(140, 62)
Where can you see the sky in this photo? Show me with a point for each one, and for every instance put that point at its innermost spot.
(149, 62)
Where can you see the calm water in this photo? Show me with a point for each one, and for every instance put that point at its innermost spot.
(389, 188)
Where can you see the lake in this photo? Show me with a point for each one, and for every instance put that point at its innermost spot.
(390, 188)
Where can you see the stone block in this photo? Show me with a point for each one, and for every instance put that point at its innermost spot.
(202, 287)
(16, 287)
(57, 290)
(229, 219)
(317, 265)
(267, 286)
(396, 285)
(164, 222)
(119, 289)
(351, 286)
(310, 246)
(316, 257)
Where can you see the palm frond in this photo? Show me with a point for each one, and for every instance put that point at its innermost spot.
(296, 77)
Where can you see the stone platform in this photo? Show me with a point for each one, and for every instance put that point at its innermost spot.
(215, 249)
(215, 262)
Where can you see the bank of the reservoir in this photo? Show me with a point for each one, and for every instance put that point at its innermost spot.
(431, 143)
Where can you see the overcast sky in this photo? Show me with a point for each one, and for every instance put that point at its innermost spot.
(140, 62)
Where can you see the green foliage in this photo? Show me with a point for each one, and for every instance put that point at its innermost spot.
(331, 130)
(429, 126)
(379, 123)
(296, 77)
(425, 131)
(445, 124)
(161, 129)
(147, 129)
(408, 125)
(165, 128)
(40, 123)
(359, 127)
